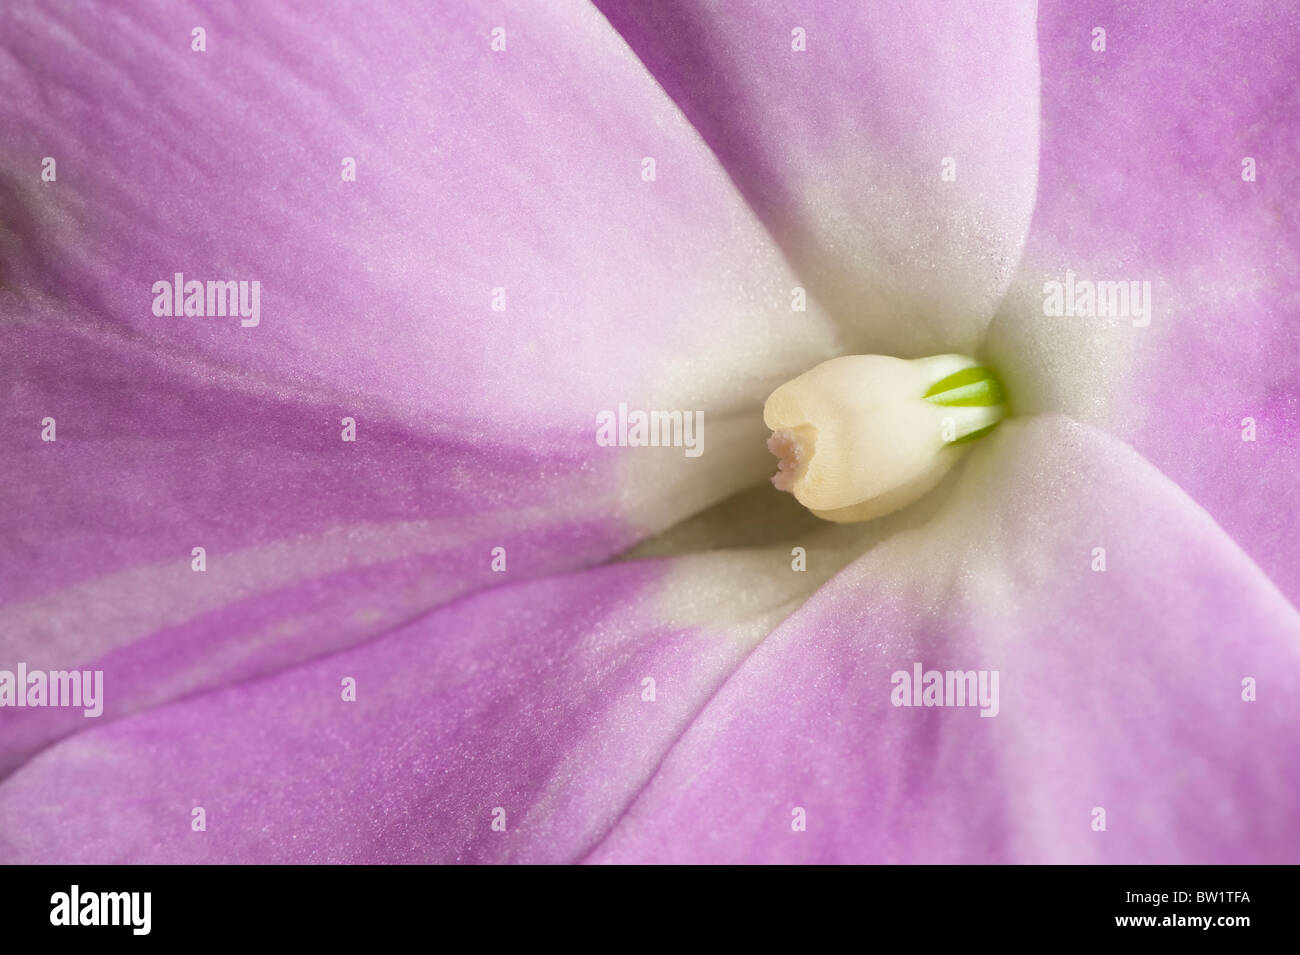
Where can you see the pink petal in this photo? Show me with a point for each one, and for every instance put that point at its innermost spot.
(1118, 691)
(475, 428)
(841, 148)
(1141, 178)
(529, 697)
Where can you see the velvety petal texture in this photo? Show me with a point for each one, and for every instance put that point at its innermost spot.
(1120, 689)
(1168, 145)
(444, 305)
(551, 701)
(891, 148)
(534, 700)
(343, 683)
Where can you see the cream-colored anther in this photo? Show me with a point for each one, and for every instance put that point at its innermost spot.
(857, 437)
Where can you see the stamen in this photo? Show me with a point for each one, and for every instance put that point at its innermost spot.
(863, 435)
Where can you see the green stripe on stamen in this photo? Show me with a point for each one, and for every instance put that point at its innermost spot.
(974, 434)
(974, 389)
(969, 388)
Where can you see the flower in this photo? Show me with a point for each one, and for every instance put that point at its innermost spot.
(503, 267)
